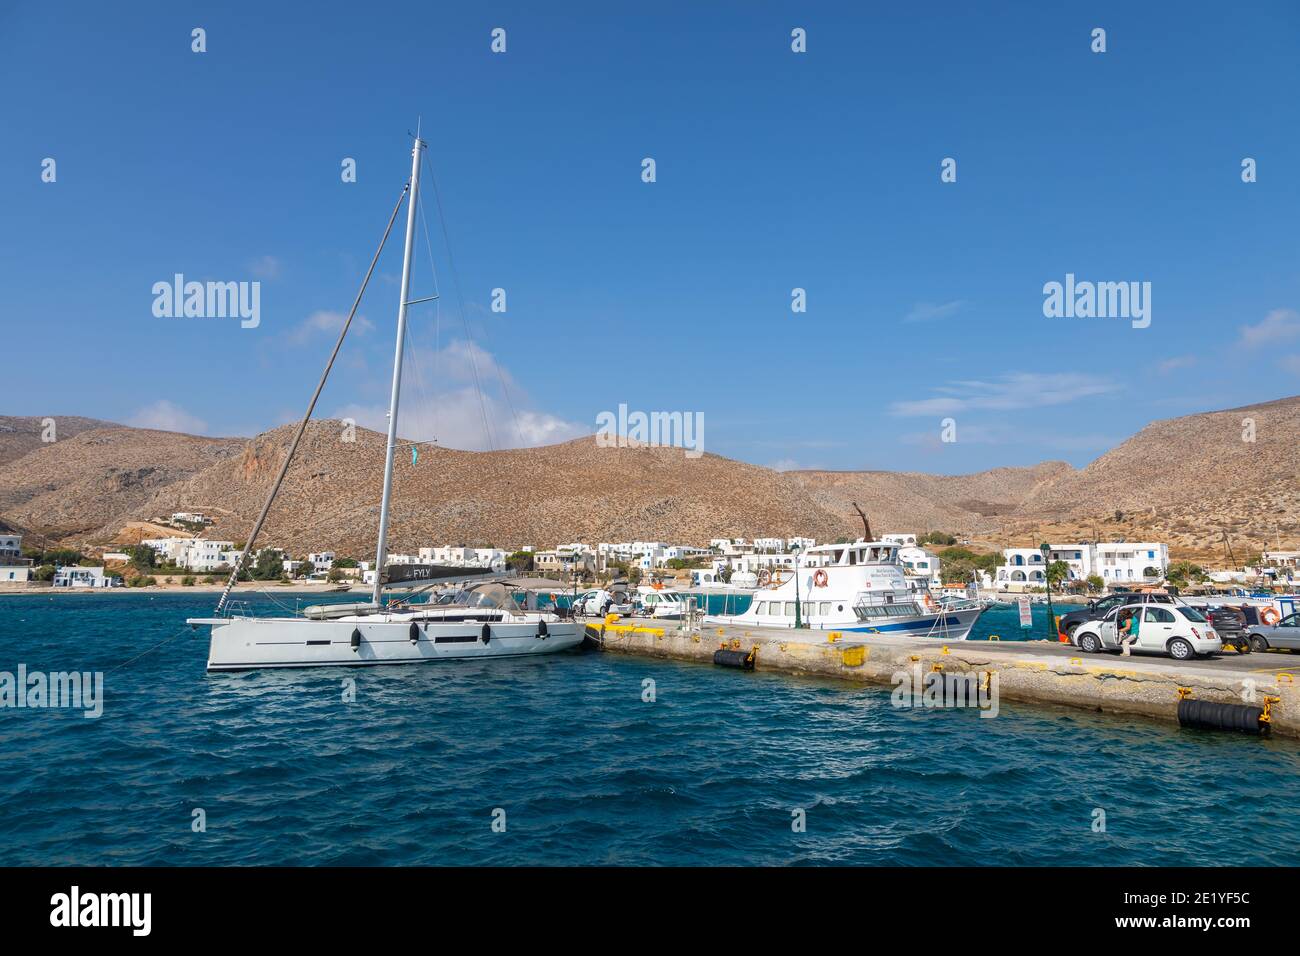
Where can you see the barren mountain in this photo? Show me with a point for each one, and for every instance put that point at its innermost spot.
(80, 483)
(899, 501)
(1188, 481)
(18, 436)
(540, 496)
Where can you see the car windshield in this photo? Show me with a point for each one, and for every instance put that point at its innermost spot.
(1191, 614)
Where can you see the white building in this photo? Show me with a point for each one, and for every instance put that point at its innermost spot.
(1115, 562)
(771, 545)
(14, 568)
(802, 544)
(190, 517)
(194, 554)
(70, 577)
(921, 564)
(905, 539)
(1020, 568)
(459, 556)
(1123, 562)
(322, 561)
(1278, 559)
(11, 547)
(729, 545)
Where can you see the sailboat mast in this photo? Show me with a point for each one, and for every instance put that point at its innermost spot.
(381, 550)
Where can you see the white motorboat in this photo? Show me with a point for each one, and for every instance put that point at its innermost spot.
(479, 621)
(854, 587)
(661, 602)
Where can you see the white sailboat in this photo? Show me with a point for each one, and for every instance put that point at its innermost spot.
(481, 620)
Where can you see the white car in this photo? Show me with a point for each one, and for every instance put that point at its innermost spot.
(599, 602)
(1180, 631)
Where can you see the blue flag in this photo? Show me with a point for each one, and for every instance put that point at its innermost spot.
(415, 454)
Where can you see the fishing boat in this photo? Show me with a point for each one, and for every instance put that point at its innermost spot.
(479, 620)
(854, 587)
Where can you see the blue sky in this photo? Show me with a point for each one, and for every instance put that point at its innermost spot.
(775, 170)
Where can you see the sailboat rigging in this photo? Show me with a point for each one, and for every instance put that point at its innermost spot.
(481, 620)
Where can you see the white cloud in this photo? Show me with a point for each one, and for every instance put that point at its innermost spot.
(453, 414)
(1015, 392)
(1280, 325)
(324, 320)
(925, 311)
(168, 417)
(1175, 363)
(265, 267)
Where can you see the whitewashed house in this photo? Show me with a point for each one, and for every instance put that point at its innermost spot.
(70, 577)
(14, 568)
(1115, 562)
(922, 565)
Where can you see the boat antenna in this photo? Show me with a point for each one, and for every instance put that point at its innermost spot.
(866, 525)
(302, 426)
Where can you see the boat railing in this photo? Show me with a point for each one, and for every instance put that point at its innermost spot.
(237, 609)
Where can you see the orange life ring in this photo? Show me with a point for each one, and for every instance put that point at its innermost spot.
(820, 578)
(658, 585)
(1269, 616)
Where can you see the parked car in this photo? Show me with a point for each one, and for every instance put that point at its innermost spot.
(1180, 631)
(1285, 633)
(1229, 622)
(599, 602)
(1099, 608)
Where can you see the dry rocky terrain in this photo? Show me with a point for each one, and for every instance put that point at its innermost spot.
(1188, 481)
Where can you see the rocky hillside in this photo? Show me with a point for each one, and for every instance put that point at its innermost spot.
(540, 496)
(913, 501)
(19, 436)
(79, 484)
(1188, 481)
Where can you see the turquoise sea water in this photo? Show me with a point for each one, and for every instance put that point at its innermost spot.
(585, 770)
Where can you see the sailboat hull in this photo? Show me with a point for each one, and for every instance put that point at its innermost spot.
(247, 643)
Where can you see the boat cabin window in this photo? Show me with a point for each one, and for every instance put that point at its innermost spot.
(490, 595)
(762, 608)
(853, 556)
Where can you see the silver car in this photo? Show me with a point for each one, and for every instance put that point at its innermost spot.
(1285, 633)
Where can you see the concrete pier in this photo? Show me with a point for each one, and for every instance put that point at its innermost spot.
(1034, 671)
